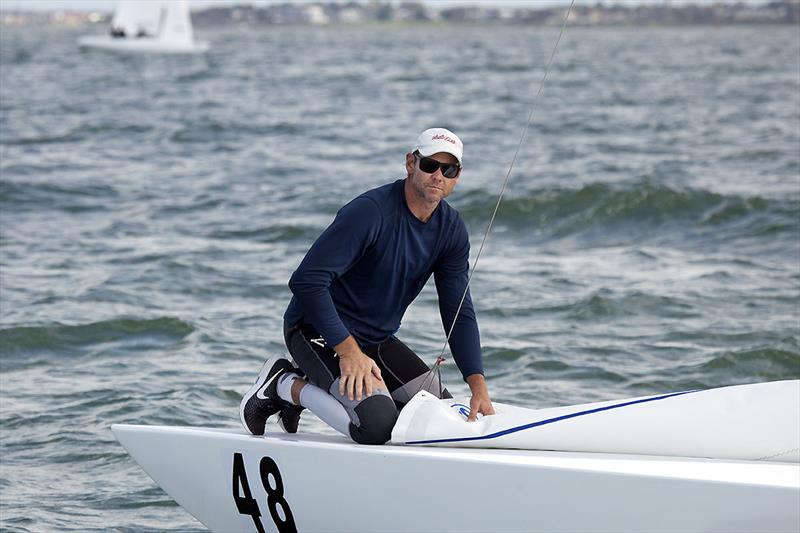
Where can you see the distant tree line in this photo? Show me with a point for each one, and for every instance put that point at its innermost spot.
(612, 13)
(609, 13)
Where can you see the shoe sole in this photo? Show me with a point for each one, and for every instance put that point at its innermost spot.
(262, 376)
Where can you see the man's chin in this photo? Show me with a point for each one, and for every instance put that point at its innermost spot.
(434, 197)
(434, 194)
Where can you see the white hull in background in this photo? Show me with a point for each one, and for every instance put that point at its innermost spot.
(331, 484)
(144, 45)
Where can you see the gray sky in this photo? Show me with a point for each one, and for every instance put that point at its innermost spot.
(108, 5)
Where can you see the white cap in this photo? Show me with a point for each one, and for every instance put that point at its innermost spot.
(435, 140)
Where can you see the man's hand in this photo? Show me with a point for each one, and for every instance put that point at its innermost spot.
(480, 402)
(357, 370)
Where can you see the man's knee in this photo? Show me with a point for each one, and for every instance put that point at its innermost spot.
(377, 416)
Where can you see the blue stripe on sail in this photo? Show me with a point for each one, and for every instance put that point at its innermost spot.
(550, 420)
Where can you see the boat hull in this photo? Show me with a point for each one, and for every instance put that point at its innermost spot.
(231, 481)
(143, 45)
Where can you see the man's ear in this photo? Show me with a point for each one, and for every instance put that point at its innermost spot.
(410, 163)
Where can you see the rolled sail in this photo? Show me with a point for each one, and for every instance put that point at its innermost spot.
(748, 422)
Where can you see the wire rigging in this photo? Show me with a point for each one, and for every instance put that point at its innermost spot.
(435, 371)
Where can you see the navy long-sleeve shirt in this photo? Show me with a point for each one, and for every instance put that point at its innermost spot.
(366, 268)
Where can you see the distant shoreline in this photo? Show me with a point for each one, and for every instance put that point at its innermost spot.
(778, 12)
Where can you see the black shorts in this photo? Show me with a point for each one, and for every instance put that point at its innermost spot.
(402, 370)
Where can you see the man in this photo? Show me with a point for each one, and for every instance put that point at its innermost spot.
(350, 293)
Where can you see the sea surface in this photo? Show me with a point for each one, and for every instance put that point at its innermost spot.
(152, 209)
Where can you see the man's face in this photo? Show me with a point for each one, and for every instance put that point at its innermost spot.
(431, 187)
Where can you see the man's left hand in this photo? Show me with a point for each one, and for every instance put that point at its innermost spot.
(480, 402)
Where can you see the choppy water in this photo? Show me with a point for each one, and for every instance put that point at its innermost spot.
(153, 208)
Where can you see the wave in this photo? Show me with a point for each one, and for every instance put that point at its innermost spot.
(604, 304)
(764, 364)
(105, 130)
(69, 137)
(19, 196)
(633, 208)
(753, 365)
(217, 131)
(61, 337)
(268, 234)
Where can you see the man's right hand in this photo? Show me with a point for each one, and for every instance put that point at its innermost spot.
(357, 370)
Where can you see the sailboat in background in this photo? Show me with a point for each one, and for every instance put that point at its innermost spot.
(155, 26)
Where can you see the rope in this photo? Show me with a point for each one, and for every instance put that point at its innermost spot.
(435, 370)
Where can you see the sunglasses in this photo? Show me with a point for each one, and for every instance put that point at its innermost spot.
(430, 165)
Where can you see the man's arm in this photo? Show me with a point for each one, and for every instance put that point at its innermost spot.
(451, 276)
(339, 247)
(334, 252)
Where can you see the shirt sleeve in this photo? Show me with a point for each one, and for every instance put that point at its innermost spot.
(334, 252)
(451, 274)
